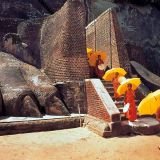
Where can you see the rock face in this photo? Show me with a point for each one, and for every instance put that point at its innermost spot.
(30, 32)
(45, 92)
(1, 103)
(18, 99)
(14, 45)
(12, 13)
(26, 91)
(21, 9)
(140, 27)
(73, 95)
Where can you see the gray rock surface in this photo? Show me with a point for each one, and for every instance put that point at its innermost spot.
(73, 95)
(26, 90)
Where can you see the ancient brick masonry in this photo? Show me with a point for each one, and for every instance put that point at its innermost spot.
(63, 45)
(103, 109)
(106, 30)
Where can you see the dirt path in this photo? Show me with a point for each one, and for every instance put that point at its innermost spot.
(77, 144)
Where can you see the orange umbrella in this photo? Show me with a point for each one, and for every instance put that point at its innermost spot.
(123, 87)
(89, 52)
(94, 57)
(150, 104)
(109, 75)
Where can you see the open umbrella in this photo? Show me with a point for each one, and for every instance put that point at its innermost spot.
(89, 52)
(150, 104)
(94, 56)
(109, 75)
(123, 86)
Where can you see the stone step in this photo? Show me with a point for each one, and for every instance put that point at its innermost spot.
(123, 117)
(110, 88)
(107, 83)
(142, 126)
(120, 109)
(111, 93)
(40, 125)
(120, 99)
(120, 104)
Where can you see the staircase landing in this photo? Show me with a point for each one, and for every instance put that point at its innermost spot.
(144, 126)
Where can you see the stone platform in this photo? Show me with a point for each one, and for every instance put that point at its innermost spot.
(144, 126)
(15, 125)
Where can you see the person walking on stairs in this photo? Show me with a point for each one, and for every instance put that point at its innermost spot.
(115, 86)
(130, 98)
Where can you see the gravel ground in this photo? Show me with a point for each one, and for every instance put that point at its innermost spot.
(78, 144)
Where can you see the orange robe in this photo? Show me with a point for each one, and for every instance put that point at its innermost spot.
(115, 87)
(132, 112)
(158, 114)
(99, 73)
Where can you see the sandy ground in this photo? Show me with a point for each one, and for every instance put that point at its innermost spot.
(78, 144)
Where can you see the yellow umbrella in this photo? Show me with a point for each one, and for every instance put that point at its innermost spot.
(123, 87)
(89, 52)
(109, 75)
(94, 56)
(150, 104)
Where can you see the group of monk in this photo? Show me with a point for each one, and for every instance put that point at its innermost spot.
(129, 95)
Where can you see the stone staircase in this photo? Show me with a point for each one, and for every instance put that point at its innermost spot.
(120, 103)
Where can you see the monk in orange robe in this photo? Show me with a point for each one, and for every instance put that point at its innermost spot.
(116, 85)
(99, 73)
(158, 114)
(130, 98)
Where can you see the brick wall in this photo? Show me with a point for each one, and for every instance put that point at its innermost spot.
(109, 38)
(99, 102)
(63, 45)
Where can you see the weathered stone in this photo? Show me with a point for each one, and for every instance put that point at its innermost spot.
(27, 107)
(46, 93)
(21, 9)
(53, 6)
(73, 94)
(54, 106)
(8, 25)
(30, 32)
(39, 125)
(1, 103)
(14, 88)
(98, 126)
(19, 82)
(144, 126)
(14, 45)
(149, 78)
